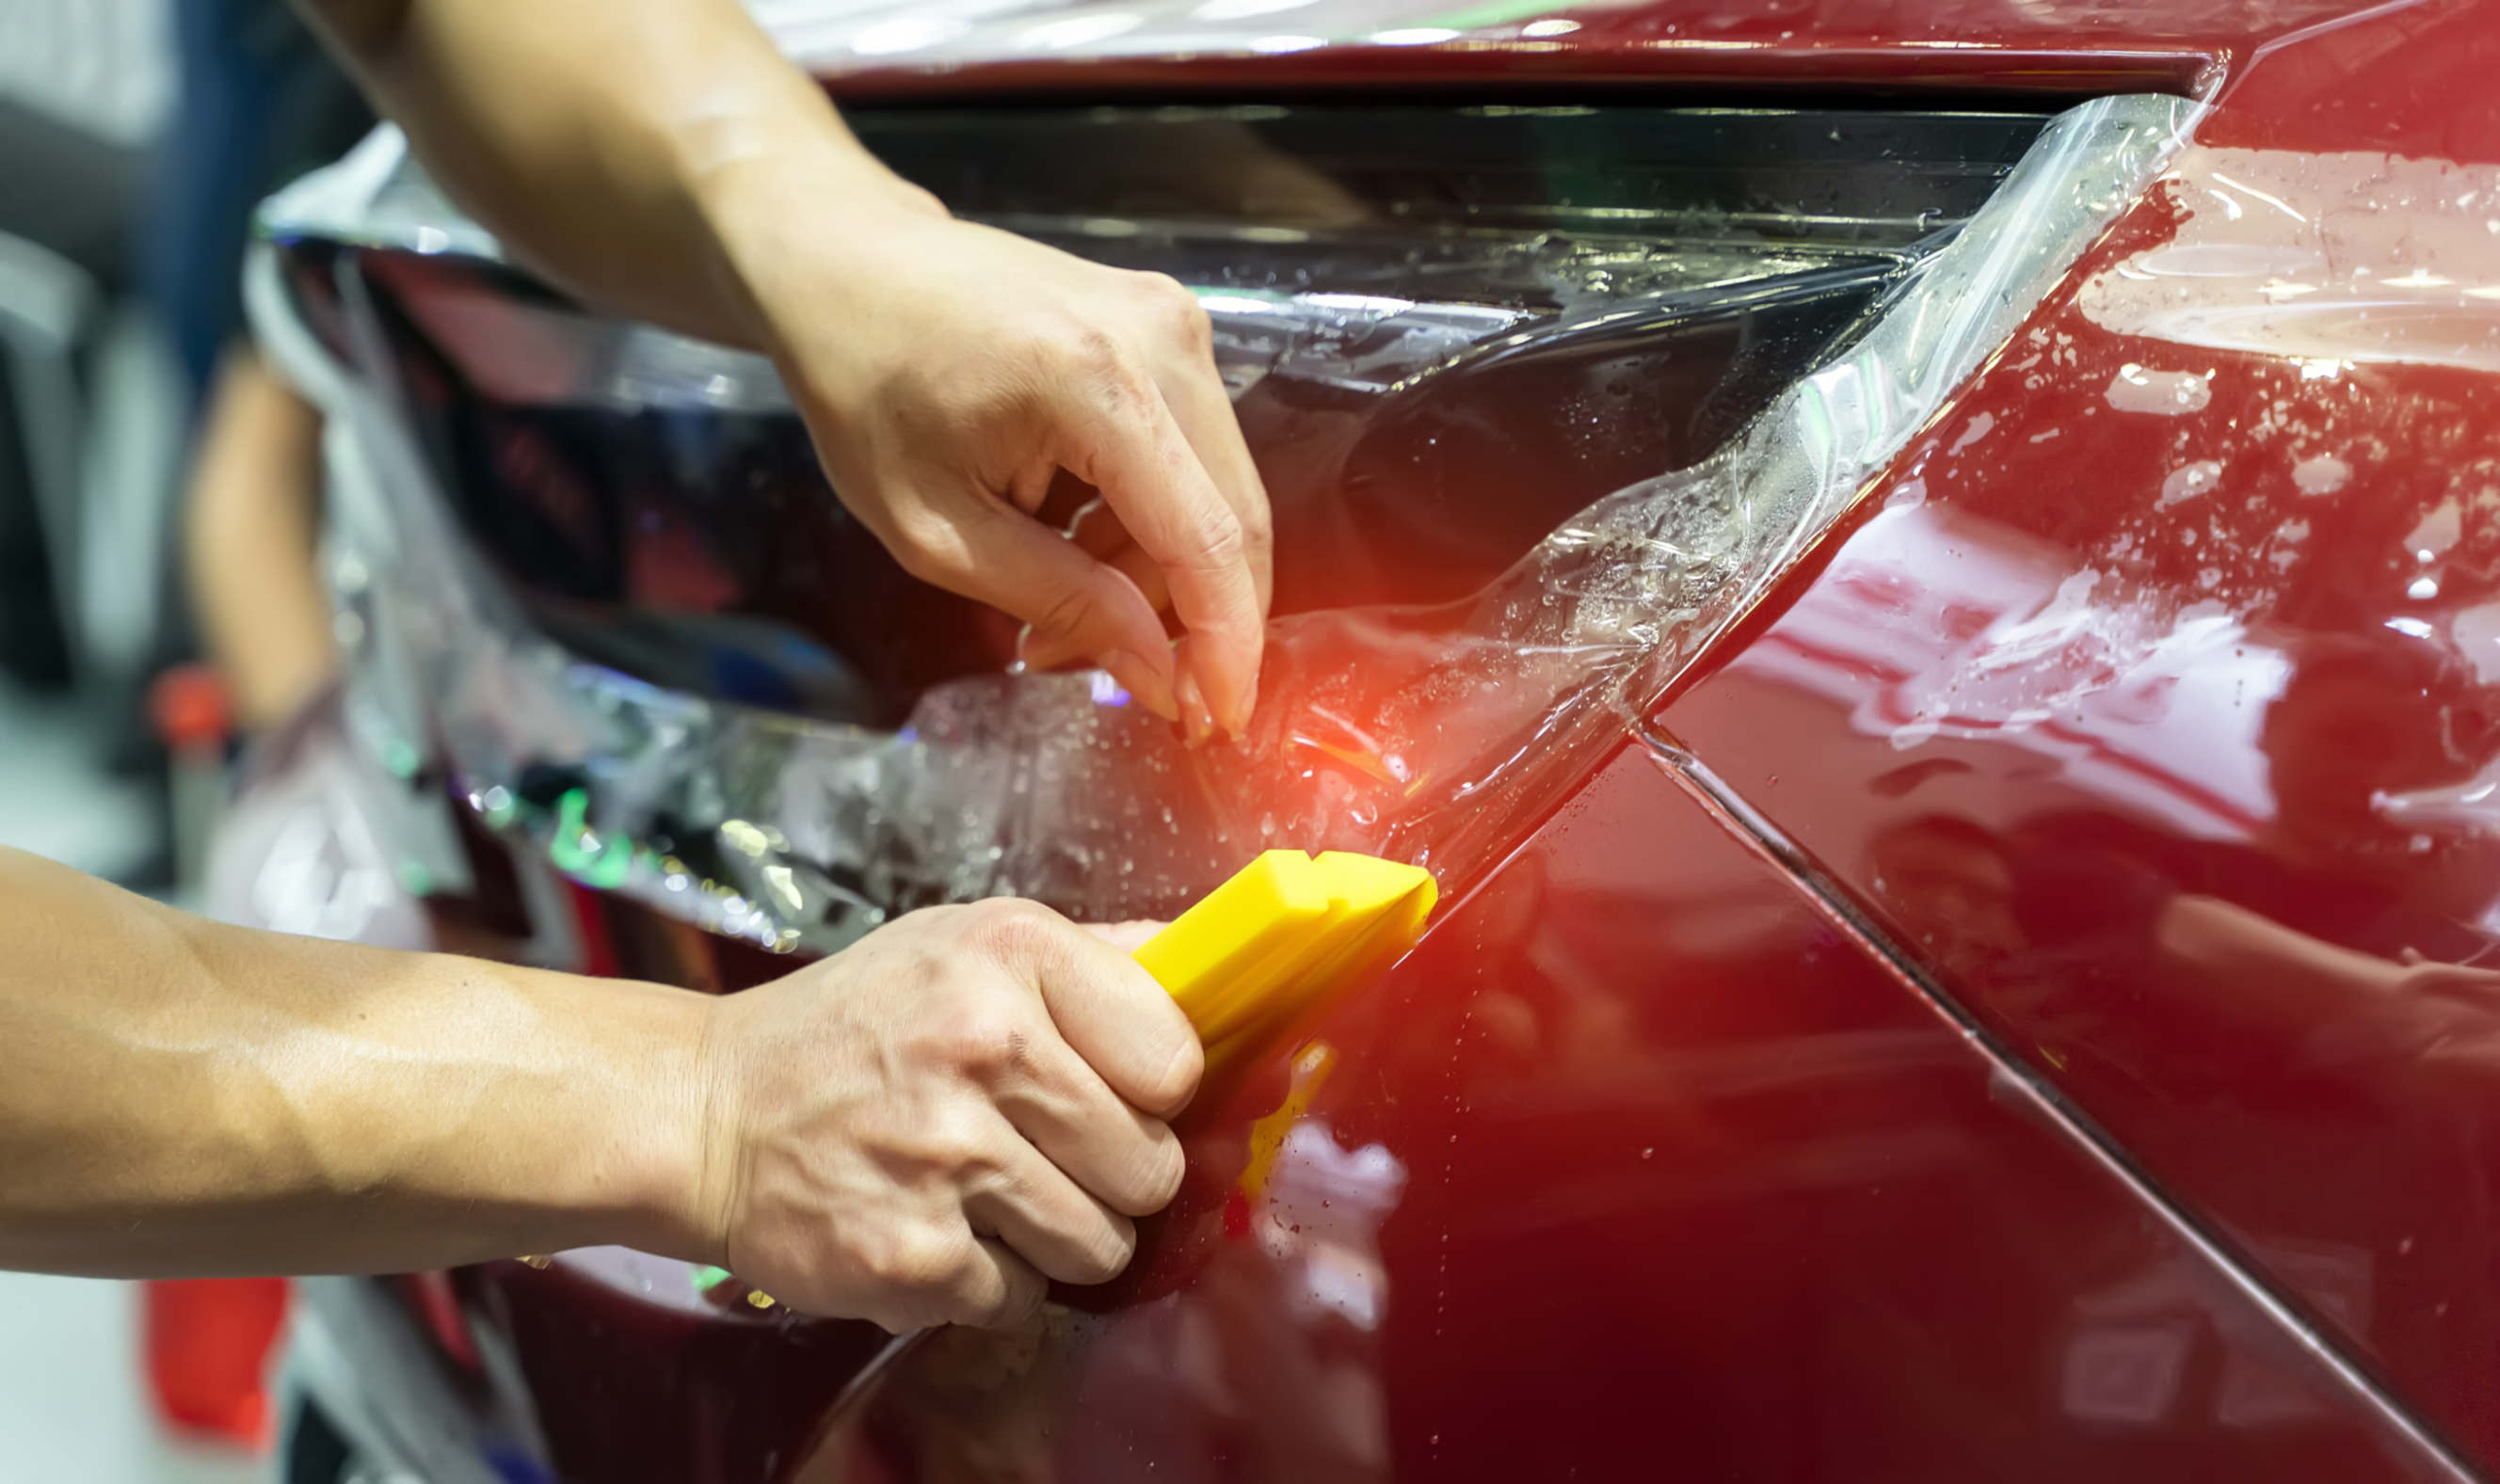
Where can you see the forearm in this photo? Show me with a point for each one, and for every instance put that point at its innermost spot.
(600, 137)
(184, 1097)
(250, 539)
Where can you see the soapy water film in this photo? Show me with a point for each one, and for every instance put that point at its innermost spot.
(1431, 735)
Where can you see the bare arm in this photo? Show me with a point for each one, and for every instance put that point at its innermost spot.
(662, 156)
(587, 133)
(182, 1096)
(918, 1130)
(250, 539)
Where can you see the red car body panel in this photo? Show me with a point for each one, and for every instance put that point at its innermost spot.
(2160, 737)
(2024, 1012)
(1644, 1165)
(1644, 1162)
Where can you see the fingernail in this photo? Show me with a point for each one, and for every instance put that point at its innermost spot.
(1200, 722)
(1148, 683)
(1236, 721)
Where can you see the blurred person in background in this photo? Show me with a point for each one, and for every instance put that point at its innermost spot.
(296, 848)
(259, 103)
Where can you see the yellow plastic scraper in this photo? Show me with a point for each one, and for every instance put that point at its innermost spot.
(1286, 929)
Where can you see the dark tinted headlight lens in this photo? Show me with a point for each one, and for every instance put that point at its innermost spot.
(1445, 328)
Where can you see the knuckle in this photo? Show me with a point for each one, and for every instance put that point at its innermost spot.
(1090, 344)
(1258, 530)
(1013, 928)
(996, 1307)
(1220, 542)
(919, 1262)
(961, 1146)
(989, 1045)
(924, 542)
(1181, 309)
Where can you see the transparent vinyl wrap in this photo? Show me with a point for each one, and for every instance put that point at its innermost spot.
(1433, 735)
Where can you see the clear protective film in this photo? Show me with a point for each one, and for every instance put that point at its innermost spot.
(1434, 735)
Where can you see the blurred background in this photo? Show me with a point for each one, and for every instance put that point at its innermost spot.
(134, 137)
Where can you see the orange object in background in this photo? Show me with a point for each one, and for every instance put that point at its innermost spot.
(208, 1346)
(208, 1340)
(193, 718)
(190, 708)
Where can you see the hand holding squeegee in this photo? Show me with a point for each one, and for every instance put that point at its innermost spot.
(1285, 931)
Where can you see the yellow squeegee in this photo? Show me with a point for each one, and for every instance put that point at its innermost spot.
(1286, 929)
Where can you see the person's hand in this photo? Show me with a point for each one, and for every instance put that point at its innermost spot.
(662, 157)
(949, 373)
(923, 1128)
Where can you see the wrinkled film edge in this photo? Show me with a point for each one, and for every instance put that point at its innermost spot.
(1474, 720)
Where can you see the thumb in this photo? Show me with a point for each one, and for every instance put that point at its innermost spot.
(992, 553)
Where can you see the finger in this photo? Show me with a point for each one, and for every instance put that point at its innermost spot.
(971, 544)
(1043, 1215)
(1106, 539)
(1100, 1001)
(946, 1273)
(1128, 1160)
(1128, 561)
(1105, 1007)
(1135, 565)
(996, 1289)
(1102, 536)
(1130, 448)
(1202, 407)
(1196, 718)
(1200, 403)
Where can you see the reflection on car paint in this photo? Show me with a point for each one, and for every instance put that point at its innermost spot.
(2170, 393)
(2176, 766)
(2353, 258)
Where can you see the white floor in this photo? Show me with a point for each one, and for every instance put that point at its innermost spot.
(72, 1407)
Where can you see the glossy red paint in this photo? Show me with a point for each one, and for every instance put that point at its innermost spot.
(2150, 704)
(1640, 1163)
